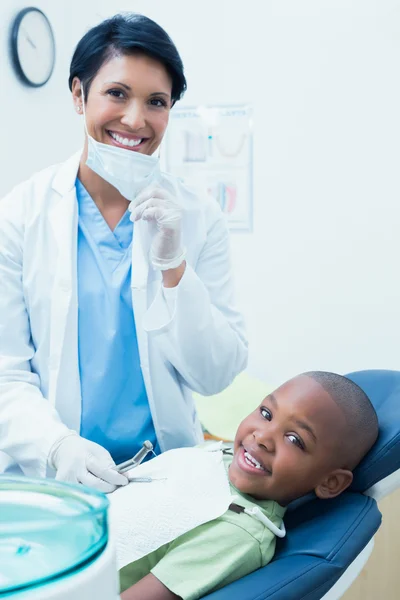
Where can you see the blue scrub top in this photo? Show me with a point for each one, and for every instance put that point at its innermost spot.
(115, 408)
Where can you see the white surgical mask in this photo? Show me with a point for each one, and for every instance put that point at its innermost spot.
(126, 170)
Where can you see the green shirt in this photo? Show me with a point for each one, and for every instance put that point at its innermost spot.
(211, 555)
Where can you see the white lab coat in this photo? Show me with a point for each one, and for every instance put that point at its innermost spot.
(190, 337)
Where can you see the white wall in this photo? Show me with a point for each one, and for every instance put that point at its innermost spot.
(318, 279)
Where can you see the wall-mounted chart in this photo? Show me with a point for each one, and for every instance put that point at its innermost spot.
(211, 147)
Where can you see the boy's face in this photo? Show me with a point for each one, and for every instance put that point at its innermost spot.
(289, 445)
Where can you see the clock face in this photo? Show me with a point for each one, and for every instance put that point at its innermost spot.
(33, 47)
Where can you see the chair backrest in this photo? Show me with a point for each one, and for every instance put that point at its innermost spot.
(325, 537)
(383, 389)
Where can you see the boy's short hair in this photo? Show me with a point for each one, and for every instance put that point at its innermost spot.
(361, 419)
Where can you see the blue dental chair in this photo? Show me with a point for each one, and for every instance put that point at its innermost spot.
(328, 542)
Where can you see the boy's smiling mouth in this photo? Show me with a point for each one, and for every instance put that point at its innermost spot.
(248, 462)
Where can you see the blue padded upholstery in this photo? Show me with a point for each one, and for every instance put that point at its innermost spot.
(383, 389)
(324, 537)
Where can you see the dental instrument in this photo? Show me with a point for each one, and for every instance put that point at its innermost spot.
(137, 459)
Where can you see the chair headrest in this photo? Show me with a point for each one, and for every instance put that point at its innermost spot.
(383, 389)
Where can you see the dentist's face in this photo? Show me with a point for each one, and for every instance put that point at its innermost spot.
(128, 103)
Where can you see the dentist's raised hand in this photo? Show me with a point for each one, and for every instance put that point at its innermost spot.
(78, 460)
(159, 207)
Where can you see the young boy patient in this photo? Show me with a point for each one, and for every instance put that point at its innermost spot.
(308, 435)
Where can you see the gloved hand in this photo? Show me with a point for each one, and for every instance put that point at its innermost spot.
(160, 209)
(77, 460)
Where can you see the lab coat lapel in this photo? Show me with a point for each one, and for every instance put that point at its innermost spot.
(141, 278)
(63, 218)
(140, 256)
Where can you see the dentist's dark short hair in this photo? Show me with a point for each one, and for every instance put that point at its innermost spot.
(126, 34)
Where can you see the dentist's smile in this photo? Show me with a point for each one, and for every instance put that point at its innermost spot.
(127, 141)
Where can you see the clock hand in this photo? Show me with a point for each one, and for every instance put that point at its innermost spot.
(30, 40)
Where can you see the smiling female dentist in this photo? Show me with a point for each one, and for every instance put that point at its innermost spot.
(106, 327)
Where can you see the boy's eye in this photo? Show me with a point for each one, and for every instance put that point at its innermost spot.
(296, 441)
(265, 413)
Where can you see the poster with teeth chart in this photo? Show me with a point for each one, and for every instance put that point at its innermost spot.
(211, 148)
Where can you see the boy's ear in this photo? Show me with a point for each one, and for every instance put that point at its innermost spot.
(334, 484)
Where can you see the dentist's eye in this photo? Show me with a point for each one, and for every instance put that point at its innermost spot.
(158, 102)
(116, 93)
(296, 441)
(265, 413)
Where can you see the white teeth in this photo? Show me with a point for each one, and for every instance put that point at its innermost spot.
(125, 141)
(251, 460)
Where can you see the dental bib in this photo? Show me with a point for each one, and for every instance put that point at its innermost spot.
(189, 487)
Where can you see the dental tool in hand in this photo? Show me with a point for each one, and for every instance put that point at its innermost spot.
(137, 459)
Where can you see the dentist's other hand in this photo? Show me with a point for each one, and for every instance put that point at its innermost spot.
(160, 208)
(77, 460)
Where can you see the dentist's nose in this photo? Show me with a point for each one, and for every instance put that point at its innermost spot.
(134, 116)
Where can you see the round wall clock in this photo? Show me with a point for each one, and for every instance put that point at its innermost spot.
(33, 47)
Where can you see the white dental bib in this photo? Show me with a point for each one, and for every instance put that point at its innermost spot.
(190, 487)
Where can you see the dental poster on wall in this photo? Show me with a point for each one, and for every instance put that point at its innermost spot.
(211, 148)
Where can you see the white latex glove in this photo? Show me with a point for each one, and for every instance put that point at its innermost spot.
(77, 460)
(160, 209)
